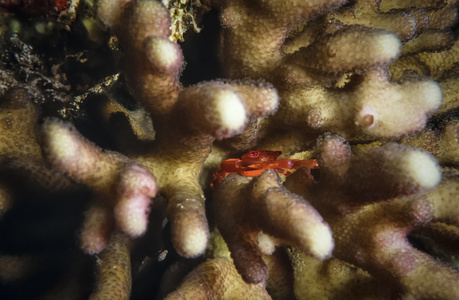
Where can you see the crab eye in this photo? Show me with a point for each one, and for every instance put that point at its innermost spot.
(254, 154)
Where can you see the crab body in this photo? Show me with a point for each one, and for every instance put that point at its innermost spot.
(254, 163)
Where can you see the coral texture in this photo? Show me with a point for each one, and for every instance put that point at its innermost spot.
(110, 131)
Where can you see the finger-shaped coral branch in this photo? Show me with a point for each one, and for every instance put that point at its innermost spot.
(433, 64)
(429, 41)
(420, 171)
(375, 107)
(450, 92)
(225, 106)
(20, 154)
(135, 187)
(287, 216)
(405, 23)
(382, 249)
(261, 101)
(221, 108)
(71, 153)
(444, 200)
(390, 170)
(151, 62)
(388, 255)
(378, 119)
(271, 208)
(245, 52)
(354, 47)
(217, 279)
(260, 97)
(119, 185)
(444, 145)
(330, 279)
(97, 227)
(444, 16)
(280, 275)
(114, 270)
(18, 119)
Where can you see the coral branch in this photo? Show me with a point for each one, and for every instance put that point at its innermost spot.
(151, 62)
(218, 279)
(361, 112)
(390, 170)
(272, 209)
(102, 171)
(353, 48)
(383, 248)
(114, 270)
(245, 52)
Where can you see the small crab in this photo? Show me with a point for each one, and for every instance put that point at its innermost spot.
(255, 162)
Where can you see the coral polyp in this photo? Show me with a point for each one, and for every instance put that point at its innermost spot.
(131, 164)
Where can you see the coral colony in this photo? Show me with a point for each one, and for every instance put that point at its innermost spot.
(318, 159)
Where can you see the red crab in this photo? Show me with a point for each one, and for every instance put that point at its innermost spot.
(255, 162)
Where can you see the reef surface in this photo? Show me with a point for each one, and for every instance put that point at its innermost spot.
(114, 115)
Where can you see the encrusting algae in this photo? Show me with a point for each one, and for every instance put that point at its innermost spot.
(108, 143)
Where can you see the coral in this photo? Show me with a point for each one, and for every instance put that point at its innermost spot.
(272, 210)
(114, 270)
(20, 149)
(110, 130)
(319, 58)
(121, 186)
(180, 147)
(217, 279)
(383, 248)
(331, 279)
